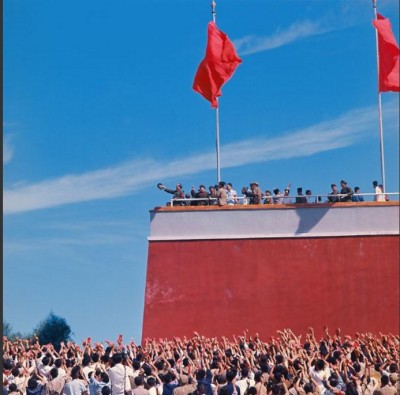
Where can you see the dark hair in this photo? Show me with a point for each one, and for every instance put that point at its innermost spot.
(45, 361)
(105, 358)
(375, 183)
(159, 365)
(75, 372)
(117, 358)
(279, 358)
(147, 369)
(136, 364)
(58, 363)
(54, 373)
(15, 372)
(320, 364)
(95, 357)
(385, 380)
(104, 377)
(223, 391)
(257, 376)
(277, 389)
(252, 391)
(106, 390)
(200, 374)
(351, 388)
(220, 379)
(86, 359)
(171, 362)
(167, 378)
(231, 374)
(12, 387)
(32, 383)
(308, 387)
(151, 381)
(138, 381)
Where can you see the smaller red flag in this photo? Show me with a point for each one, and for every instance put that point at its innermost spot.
(217, 67)
(389, 56)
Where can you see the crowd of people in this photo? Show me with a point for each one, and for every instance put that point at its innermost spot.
(286, 364)
(224, 194)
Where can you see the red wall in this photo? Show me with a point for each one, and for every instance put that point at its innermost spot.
(221, 287)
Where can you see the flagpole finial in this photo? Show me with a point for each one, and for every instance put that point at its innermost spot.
(213, 12)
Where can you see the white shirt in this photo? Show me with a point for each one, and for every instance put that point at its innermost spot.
(74, 387)
(231, 196)
(117, 375)
(318, 377)
(379, 197)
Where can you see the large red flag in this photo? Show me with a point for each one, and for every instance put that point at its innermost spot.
(217, 66)
(389, 53)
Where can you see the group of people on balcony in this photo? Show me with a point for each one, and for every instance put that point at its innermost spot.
(224, 194)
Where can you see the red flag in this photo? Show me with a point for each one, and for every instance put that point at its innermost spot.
(217, 66)
(389, 53)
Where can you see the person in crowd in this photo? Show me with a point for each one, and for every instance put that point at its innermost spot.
(310, 198)
(357, 197)
(288, 363)
(346, 191)
(379, 196)
(278, 196)
(221, 193)
(231, 195)
(333, 196)
(267, 197)
(254, 193)
(213, 195)
(177, 193)
(78, 384)
(286, 198)
(118, 375)
(56, 383)
(200, 194)
(386, 197)
(300, 198)
(139, 387)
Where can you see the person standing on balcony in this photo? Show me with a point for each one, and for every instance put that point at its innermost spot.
(346, 191)
(379, 196)
(221, 193)
(231, 195)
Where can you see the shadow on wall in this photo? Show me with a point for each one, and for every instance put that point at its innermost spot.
(309, 218)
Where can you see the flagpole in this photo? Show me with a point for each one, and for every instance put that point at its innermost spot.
(379, 103)
(213, 14)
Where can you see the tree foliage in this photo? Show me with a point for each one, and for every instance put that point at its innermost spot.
(53, 329)
(8, 331)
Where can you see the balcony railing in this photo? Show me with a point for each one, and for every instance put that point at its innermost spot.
(312, 199)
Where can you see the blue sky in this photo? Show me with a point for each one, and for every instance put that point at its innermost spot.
(98, 108)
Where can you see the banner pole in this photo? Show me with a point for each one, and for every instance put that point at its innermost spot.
(382, 154)
(213, 14)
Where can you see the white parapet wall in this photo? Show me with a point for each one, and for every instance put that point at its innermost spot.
(277, 221)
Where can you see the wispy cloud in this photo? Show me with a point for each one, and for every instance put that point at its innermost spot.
(131, 177)
(253, 44)
(8, 150)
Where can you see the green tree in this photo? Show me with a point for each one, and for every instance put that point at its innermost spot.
(8, 331)
(53, 329)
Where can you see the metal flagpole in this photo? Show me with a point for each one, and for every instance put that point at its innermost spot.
(213, 13)
(379, 103)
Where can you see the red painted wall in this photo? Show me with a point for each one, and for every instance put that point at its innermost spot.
(221, 287)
